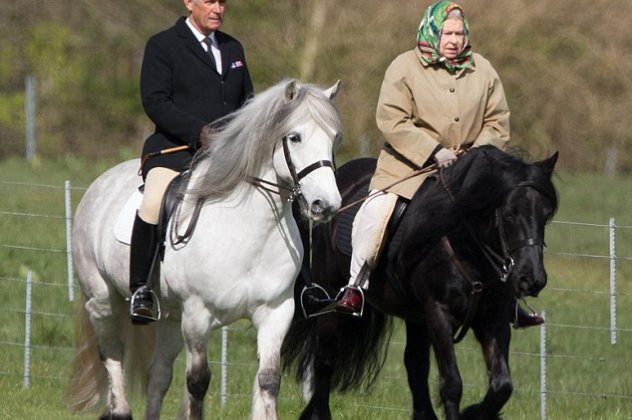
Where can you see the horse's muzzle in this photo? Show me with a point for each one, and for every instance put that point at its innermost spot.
(320, 212)
(531, 284)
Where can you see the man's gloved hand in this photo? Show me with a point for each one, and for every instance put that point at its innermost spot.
(444, 158)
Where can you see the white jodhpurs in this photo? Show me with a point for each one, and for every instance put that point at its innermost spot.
(367, 235)
(156, 183)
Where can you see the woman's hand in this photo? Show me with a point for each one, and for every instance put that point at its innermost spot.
(444, 158)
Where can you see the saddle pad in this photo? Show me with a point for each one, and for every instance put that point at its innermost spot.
(343, 225)
(125, 220)
(341, 229)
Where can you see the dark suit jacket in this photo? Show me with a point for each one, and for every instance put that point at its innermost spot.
(181, 90)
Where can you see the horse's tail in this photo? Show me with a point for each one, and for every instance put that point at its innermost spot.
(89, 380)
(359, 346)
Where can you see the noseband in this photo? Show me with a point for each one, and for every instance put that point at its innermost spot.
(293, 192)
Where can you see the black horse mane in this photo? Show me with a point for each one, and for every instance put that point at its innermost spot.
(471, 188)
(482, 177)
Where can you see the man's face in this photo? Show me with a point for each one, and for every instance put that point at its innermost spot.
(452, 38)
(206, 15)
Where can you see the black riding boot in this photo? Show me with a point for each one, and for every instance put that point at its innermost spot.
(143, 250)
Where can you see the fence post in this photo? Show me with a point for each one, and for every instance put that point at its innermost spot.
(224, 358)
(27, 333)
(29, 111)
(543, 369)
(71, 292)
(613, 285)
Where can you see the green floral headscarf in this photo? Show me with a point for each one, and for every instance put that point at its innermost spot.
(430, 33)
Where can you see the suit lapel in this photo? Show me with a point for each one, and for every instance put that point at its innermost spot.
(190, 41)
(224, 49)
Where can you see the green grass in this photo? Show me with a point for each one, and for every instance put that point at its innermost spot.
(587, 376)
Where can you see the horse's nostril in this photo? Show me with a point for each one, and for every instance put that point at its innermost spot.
(318, 207)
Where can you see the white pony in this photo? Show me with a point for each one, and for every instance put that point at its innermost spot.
(240, 262)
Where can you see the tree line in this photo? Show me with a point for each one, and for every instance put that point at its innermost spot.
(564, 68)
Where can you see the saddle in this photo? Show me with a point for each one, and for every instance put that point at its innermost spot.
(170, 202)
(342, 226)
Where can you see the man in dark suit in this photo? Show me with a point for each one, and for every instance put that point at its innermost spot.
(192, 74)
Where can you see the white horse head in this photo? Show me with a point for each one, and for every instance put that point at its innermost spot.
(241, 261)
(295, 123)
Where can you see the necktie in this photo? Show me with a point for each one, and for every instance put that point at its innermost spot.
(209, 51)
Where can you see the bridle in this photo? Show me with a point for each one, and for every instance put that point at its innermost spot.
(501, 262)
(292, 192)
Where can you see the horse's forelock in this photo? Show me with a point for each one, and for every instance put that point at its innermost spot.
(312, 104)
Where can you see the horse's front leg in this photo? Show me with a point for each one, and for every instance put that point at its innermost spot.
(450, 383)
(495, 346)
(272, 325)
(417, 361)
(168, 345)
(195, 331)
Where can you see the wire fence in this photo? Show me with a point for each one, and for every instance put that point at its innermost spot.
(59, 220)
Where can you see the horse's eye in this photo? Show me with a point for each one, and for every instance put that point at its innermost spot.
(294, 137)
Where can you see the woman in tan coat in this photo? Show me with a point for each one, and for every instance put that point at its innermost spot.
(436, 99)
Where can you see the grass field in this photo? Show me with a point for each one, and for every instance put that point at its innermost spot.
(587, 377)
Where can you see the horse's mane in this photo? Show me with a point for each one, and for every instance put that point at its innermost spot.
(242, 144)
(481, 179)
(471, 188)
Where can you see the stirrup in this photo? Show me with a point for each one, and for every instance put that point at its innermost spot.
(338, 296)
(315, 301)
(142, 319)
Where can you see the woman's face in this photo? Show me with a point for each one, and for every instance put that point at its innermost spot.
(452, 38)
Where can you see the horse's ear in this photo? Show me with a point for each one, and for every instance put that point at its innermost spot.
(291, 90)
(547, 165)
(333, 91)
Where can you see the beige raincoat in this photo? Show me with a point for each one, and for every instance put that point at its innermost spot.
(422, 107)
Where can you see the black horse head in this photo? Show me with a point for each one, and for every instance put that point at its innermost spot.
(493, 207)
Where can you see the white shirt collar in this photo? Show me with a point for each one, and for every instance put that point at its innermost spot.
(199, 35)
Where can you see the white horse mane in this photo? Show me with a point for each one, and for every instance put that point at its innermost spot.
(242, 143)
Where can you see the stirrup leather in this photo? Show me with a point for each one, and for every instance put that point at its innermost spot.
(140, 317)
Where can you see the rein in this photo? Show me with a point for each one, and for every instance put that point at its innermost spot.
(476, 286)
(413, 174)
(419, 171)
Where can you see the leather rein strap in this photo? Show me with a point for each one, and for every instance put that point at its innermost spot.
(476, 292)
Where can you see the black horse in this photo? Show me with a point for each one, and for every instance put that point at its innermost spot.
(470, 242)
